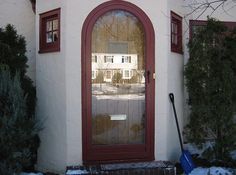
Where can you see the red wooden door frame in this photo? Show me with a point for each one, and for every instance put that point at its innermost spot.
(117, 153)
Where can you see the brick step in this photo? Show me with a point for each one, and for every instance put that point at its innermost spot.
(138, 168)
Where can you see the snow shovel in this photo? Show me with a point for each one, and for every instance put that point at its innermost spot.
(185, 158)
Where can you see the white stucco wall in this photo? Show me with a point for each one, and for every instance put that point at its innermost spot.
(58, 81)
(20, 14)
(51, 94)
(175, 85)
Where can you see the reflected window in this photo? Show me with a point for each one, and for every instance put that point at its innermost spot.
(93, 75)
(52, 31)
(126, 73)
(126, 59)
(94, 58)
(108, 59)
(108, 74)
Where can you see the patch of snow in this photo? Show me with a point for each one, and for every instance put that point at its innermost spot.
(193, 149)
(211, 171)
(31, 173)
(76, 172)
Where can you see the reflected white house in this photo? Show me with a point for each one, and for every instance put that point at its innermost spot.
(110, 64)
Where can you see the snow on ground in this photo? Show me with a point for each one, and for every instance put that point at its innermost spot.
(193, 149)
(210, 171)
(75, 172)
(30, 174)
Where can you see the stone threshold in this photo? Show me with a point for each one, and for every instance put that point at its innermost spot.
(134, 168)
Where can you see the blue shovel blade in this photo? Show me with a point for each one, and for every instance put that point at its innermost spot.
(187, 162)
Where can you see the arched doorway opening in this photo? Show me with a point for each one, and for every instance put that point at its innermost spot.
(118, 89)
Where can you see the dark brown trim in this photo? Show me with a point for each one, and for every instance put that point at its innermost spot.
(122, 153)
(177, 19)
(49, 47)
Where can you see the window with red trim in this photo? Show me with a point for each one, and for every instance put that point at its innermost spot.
(49, 31)
(176, 33)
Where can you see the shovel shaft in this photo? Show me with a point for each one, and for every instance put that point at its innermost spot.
(171, 95)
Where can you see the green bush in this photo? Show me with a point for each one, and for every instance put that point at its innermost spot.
(211, 82)
(12, 54)
(17, 130)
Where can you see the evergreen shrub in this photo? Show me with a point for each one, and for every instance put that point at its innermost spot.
(211, 84)
(13, 56)
(17, 130)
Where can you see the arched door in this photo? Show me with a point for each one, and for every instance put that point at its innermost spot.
(118, 84)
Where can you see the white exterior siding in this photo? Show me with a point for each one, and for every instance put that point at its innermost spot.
(20, 14)
(51, 95)
(175, 84)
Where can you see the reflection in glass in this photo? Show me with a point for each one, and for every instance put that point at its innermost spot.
(49, 37)
(55, 36)
(55, 24)
(174, 29)
(49, 26)
(118, 83)
(52, 31)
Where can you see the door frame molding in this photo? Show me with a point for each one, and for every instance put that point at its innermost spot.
(142, 152)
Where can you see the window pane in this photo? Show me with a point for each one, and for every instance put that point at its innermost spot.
(174, 27)
(49, 26)
(174, 32)
(55, 36)
(49, 37)
(108, 75)
(55, 24)
(126, 73)
(175, 39)
(118, 99)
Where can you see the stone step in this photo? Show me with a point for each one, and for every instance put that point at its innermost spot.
(135, 168)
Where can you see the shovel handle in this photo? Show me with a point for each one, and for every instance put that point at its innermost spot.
(171, 95)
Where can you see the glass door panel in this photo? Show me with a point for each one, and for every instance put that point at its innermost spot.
(117, 80)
